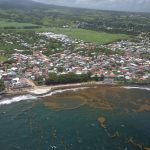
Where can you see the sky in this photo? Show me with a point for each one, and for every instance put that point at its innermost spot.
(118, 5)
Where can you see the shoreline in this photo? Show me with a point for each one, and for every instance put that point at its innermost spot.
(41, 92)
(44, 89)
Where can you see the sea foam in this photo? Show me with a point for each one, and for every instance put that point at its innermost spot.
(62, 91)
(8, 101)
(134, 87)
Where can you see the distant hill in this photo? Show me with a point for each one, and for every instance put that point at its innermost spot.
(29, 11)
(29, 5)
(21, 4)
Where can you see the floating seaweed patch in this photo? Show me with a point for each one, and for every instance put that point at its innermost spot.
(102, 121)
(137, 145)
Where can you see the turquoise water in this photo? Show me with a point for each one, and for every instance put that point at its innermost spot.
(29, 125)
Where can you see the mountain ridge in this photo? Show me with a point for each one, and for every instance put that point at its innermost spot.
(21, 4)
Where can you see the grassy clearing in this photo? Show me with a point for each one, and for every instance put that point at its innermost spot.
(7, 24)
(91, 36)
(3, 58)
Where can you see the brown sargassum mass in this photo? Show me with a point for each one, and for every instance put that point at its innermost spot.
(101, 97)
(75, 99)
(137, 145)
(105, 98)
(103, 124)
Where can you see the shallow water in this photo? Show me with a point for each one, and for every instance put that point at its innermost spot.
(31, 125)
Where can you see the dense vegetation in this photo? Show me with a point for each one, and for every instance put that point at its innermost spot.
(2, 87)
(54, 79)
(3, 58)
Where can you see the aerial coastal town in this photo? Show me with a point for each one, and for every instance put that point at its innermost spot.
(75, 75)
(119, 62)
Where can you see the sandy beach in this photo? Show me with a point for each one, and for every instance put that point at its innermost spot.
(40, 90)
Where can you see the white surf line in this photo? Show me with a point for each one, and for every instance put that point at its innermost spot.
(39, 91)
(134, 87)
(7, 101)
(65, 90)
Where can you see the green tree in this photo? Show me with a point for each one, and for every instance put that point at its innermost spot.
(2, 86)
(53, 79)
(40, 81)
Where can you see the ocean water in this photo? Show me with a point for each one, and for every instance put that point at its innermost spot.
(30, 125)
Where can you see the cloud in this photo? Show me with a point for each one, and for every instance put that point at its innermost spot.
(124, 5)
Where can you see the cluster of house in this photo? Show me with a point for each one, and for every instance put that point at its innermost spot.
(12, 78)
(129, 66)
(140, 45)
(61, 38)
(112, 66)
(23, 42)
(35, 41)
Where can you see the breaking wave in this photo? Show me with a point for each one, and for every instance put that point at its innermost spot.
(65, 90)
(8, 101)
(134, 87)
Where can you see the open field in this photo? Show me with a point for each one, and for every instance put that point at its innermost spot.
(4, 24)
(3, 58)
(88, 35)
(82, 34)
(91, 36)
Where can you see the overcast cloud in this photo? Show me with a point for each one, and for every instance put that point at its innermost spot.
(124, 5)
